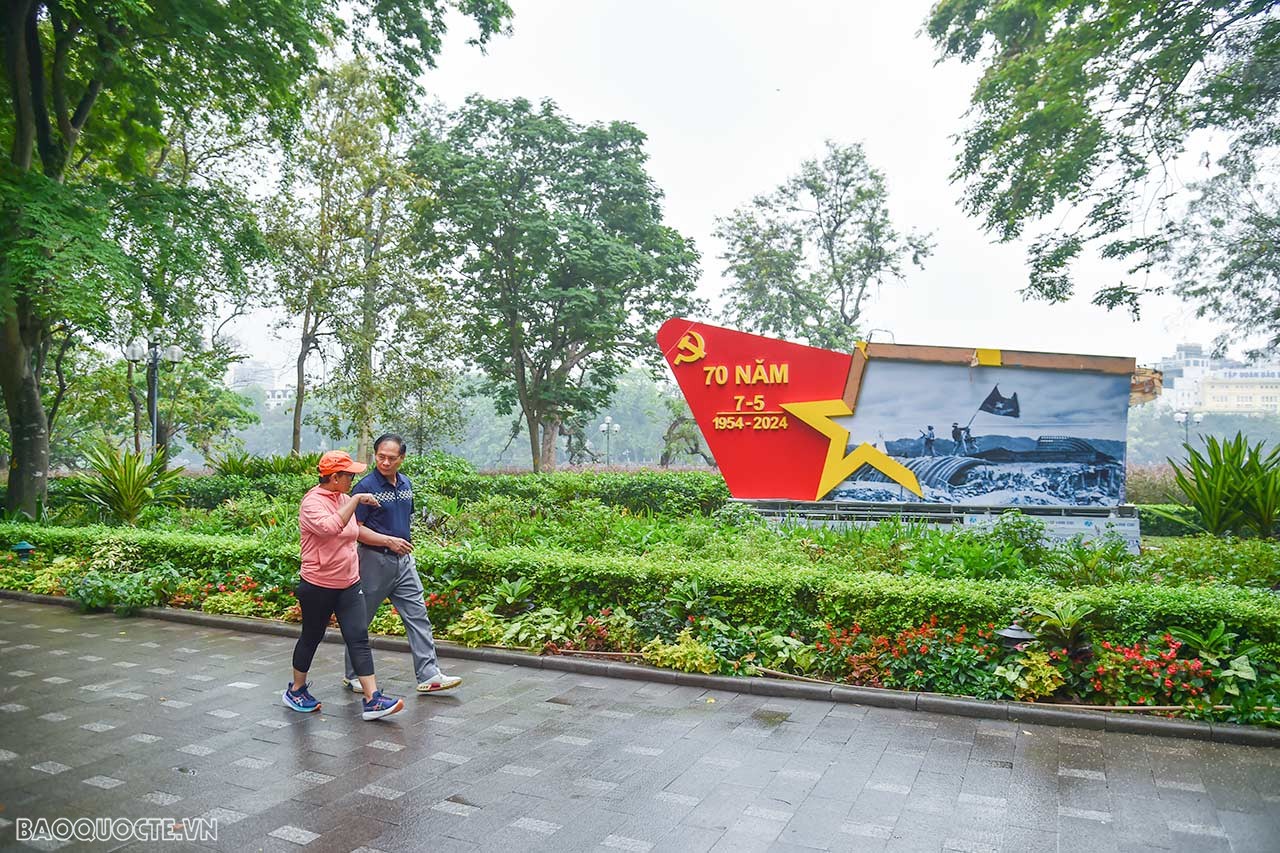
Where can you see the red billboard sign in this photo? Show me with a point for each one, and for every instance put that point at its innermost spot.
(778, 417)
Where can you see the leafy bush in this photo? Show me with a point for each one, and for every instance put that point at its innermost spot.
(1168, 520)
(653, 492)
(1062, 625)
(387, 621)
(477, 627)
(686, 654)
(123, 483)
(610, 630)
(1150, 484)
(54, 578)
(1032, 676)
(254, 467)
(942, 660)
(130, 549)
(965, 554)
(539, 628)
(124, 591)
(209, 492)
(1204, 559)
(786, 598)
(508, 597)
(435, 464)
(1099, 562)
(238, 603)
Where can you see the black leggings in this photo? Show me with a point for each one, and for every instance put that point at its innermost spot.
(318, 604)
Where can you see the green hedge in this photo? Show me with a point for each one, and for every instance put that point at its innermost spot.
(209, 492)
(194, 554)
(783, 598)
(779, 597)
(658, 492)
(1153, 524)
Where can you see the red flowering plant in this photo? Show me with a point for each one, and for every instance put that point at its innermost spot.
(609, 630)
(945, 660)
(448, 596)
(1147, 673)
(850, 655)
(444, 607)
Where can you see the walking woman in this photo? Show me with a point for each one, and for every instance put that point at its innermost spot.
(331, 584)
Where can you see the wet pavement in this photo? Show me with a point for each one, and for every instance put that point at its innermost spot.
(139, 718)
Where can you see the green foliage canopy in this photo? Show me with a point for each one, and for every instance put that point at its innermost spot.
(1089, 102)
(802, 259)
(89, 89)
(550, 236)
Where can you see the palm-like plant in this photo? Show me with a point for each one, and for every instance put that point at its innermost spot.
(1262, 498)
(124, 483)
(1215, 483)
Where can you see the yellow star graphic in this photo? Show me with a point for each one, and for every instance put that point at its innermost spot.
(818, 414)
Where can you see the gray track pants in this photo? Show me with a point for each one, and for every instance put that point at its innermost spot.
(395, 577)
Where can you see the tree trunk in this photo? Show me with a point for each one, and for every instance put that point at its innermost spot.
(550, 437)
(300, 393)
(364, 359)
(535, 447)
(28, 425)
(136, 402)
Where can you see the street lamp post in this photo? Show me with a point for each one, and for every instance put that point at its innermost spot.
(1186, 419)
(608, 428)
(150, 352)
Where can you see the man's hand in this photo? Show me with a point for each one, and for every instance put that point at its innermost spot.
(398, 545)
(366, 499)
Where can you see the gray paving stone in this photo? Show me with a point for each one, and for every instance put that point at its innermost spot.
(527, 759)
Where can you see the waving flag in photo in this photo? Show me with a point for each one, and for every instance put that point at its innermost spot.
(1005, 407)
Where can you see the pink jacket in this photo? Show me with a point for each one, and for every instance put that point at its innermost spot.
(328, 547)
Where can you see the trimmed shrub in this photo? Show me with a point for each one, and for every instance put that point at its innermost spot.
(1154, 520)
(802, 597)
(209, 492)
(642, 492)
(194, 554)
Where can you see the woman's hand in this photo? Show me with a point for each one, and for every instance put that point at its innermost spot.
(366, 499)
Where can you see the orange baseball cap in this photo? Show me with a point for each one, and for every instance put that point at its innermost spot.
(339, 460)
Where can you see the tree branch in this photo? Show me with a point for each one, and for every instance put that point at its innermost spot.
(49, 160)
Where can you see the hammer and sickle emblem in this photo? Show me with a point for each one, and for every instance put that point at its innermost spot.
(691, 348)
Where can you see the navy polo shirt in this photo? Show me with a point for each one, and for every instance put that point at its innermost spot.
(396, 499)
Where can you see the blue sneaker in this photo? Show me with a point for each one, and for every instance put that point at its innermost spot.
(301, 699)
(381, 705)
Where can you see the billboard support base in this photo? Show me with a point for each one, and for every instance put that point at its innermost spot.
(1061, 523)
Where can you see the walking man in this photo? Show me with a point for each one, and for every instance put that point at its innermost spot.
(387, 569)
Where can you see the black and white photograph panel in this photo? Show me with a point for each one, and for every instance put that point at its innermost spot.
(991, 436)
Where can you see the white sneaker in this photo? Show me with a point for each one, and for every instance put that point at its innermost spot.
(439, 682)
(353, 684)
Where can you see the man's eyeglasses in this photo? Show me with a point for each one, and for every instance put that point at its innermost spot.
(388, 459)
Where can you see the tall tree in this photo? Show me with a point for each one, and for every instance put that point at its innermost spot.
(130, 67)
(550, 235)
(1225, 252)
(1089, 103)
(803, 258)
(347, 268)
(192, 241)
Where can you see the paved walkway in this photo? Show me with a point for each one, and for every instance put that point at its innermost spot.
(137, 718)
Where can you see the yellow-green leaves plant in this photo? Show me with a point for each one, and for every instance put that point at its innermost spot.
(685, 654)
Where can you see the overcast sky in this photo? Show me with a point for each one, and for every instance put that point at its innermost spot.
(734, 94)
